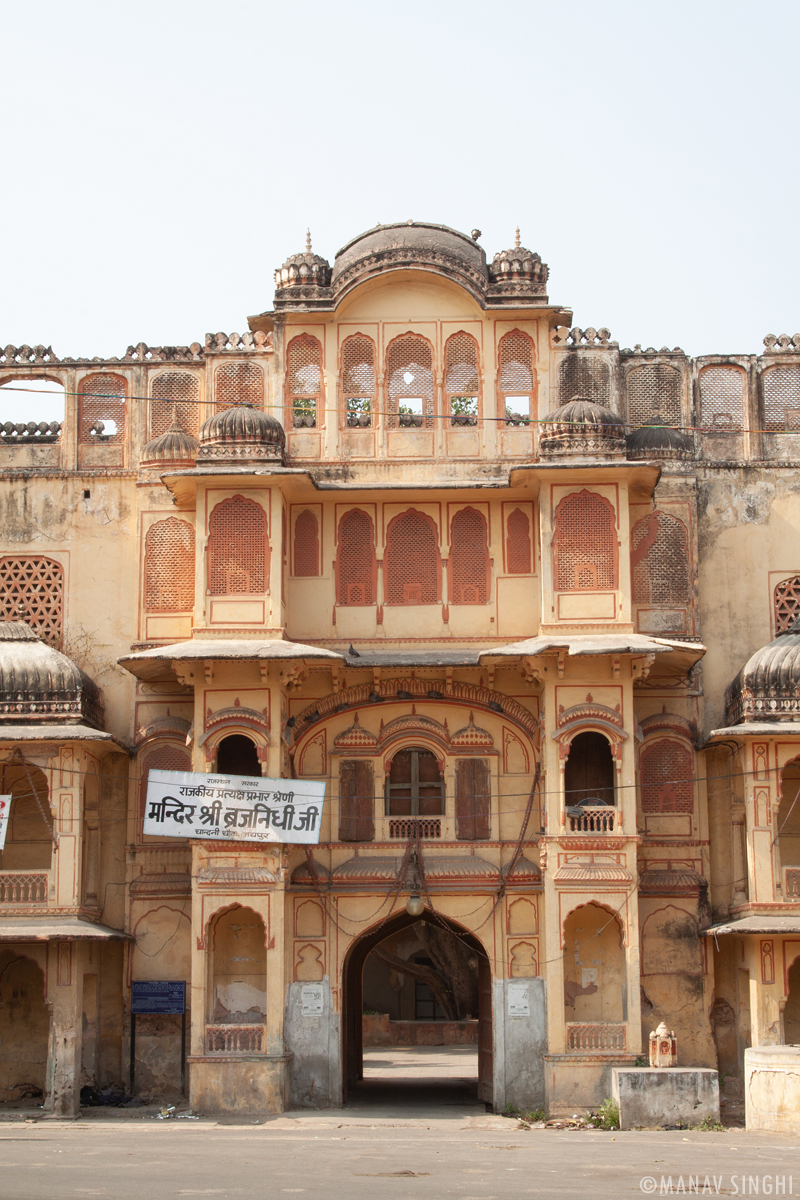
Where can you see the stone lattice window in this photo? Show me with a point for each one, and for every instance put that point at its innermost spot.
(409, 382)
(584, 376)
(304, 381)
(660, 561)
(782, 398)
(306, 544)
(654, 391)
(666, 772)
(585, 544)
(462, 384)
(413, 568)
(101, 399)
(238, 549)
(515, 384)
(358, 380)
(787, 603)
(238, 383)
(356, 565)
(169, 567)
(174, 392)
(722, 393)
(163, 758)
(32, 590)
(519, 547)
(469, 558)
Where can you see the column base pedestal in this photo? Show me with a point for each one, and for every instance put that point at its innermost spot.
(247, 1084)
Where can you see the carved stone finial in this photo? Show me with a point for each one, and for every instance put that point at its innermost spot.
(308, 241)
(516, 239)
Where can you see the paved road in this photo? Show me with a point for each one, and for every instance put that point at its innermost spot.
(346, 1155)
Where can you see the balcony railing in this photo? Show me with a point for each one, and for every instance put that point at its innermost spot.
(234, 1039)
(426, 827)
(593, 820)
(791, 887)
(24, 887)
(597, 1036)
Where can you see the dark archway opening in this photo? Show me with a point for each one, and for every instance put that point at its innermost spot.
(791, 1012)
(237, 755)
(434, 978)
(589, 774)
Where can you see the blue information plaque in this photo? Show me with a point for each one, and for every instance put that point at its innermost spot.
(158, 996)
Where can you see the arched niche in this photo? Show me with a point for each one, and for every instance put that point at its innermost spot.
(595, 988)
(237, 754)
(24, 1029)
(589, 771)
(237, 968)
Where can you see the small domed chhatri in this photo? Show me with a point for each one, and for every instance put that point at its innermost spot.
(303, 270)
(175, 447)
(40, 684)
(583, 428)
(518, 270)
(768, 686)
(240, 434)
(657, 441)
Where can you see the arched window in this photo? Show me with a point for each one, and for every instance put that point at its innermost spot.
(238, 551)
(414, 787)
(174, 392)
(29, 837)
(162, 758)
(462, 385)
(169, 566)
(515, 383)
(101, 409)
(356, 565)
(409, 382)
(722, 391)
(589, 773)
(306, 544)
(304, 381)
(666, 771)
(358, 380)
(237, 755)
(32, 590)
(782, 398)
(238, 383)
(585, 544)
(469, 558)
(654, 390)
(786, 598)
(412, 564)
(660, 561)
(519, 548)
(584, 376)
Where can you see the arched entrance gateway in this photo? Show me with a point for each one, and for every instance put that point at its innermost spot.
(451, 982)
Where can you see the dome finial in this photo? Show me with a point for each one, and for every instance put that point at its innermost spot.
(516, 239)
(308, 241)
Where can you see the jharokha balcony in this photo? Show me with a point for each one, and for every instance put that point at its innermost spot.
(592, 819)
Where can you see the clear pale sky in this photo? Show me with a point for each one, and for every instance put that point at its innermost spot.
(161, 159)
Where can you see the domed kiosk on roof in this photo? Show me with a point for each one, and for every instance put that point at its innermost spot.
(582, 428)
(173, 448)
(241, 434)
(40, 684)
(768, 686)
(656, 441)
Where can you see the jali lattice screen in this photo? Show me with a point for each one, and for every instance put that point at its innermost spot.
(32, 590)
(174, 392)
(409, 378)
(787, 603)
(469, 558)
(163, 758)
(101, 398)
(238, 383)
(358, 379)
(585, 544)
(654, 391)
(660, 561)
(722, 392)
(306, 544)
(461, 379)
(238, 549)
(782, 398)
(519, 547)
(169, 566)
(666, 772)
(584, 376)
(411, 560)
(515, 373)
(356, 565)
(304, 380)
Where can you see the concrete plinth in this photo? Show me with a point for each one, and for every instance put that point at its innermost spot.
(650, 1096)
(574, 1081)
(245, 1083)
(772, 1088)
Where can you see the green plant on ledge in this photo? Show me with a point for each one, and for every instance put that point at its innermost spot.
(607, 1115)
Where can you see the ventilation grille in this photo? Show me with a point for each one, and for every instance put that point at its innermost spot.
(102, 399)
(787, 603)
(654, 391)
(782, 398)
(666, 775)
(412, 560)
(237, 548)
(32, 590)
(722, 399)
(585, 543)
(469, 558)
(169, 567)
(356, 559)
(182, 393)
(660, 561)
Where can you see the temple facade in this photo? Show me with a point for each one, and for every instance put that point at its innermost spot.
(523, 600)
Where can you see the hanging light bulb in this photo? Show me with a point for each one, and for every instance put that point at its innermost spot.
(414, 906)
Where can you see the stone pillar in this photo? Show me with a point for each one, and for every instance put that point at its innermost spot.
(65, 970)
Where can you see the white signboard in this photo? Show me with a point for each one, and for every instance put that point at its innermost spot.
(5, 812)
(312, 1000)
(518, 1003)
(233, 807)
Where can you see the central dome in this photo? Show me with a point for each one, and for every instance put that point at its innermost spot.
(581, 427)
(410, 244)
(240, 433)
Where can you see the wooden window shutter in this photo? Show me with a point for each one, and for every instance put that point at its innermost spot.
(356, 801)
(473, 799)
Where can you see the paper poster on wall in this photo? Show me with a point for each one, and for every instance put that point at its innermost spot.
(233, 807)
(312, 999)
(519, 1004)
(5, 811)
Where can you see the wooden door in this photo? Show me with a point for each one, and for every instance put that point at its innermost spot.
(485, 1033)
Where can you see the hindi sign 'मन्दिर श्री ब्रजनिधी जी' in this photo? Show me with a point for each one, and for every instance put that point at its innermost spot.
(233, 807)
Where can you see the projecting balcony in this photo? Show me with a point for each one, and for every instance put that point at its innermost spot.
(592, 819)
(24, 887)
